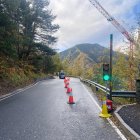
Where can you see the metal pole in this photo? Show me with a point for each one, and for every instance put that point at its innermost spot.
(107, 95)
(138, 91)
(110, 83)
(139, 70)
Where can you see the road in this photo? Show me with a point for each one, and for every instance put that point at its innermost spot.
(41, 112)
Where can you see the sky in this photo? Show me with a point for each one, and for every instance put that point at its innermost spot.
(80, 22)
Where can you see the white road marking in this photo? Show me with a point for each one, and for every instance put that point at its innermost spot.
(10, 95)
(111, 123)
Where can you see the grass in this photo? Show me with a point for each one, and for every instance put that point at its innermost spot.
(14, 78)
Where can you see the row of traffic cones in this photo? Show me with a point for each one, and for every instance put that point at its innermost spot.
(104, 113)
(69, 91)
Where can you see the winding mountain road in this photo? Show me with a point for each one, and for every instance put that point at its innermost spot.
(41, 112)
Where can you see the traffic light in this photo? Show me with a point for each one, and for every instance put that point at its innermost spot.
(106, 75)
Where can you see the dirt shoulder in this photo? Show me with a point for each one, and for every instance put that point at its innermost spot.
(7, 87)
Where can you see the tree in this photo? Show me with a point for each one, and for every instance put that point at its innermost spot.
(37, 26)
(120, 72)
(8, 28)
(57, 62)
(26, 32)
(137, 48)
(43, 19)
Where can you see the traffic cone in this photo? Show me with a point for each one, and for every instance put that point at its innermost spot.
(69, 90)
(65, 80)
(71, 100)
(68, 79)
(104, 112)
(66, 84)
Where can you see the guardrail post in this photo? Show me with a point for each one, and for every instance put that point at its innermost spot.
(96, 88)
(138, 91)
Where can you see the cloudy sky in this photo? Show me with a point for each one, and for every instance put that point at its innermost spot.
(80, 22)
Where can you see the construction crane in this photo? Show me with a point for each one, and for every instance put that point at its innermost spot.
(119, 27)
(112, 20)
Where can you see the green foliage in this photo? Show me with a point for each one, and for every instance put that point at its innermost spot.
(81, 59)
(26, 34)
(21, 25)
(44, 49)
(57, 63)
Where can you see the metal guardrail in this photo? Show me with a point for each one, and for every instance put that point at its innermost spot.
(124, 94)
(96, 85)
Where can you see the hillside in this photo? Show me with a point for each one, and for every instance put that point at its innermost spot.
(92, 53)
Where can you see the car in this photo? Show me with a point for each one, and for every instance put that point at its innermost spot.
(61, 75)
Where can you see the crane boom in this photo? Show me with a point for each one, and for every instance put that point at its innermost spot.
(112, 20)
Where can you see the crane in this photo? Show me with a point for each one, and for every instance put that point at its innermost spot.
(119, 27)
(112, 20)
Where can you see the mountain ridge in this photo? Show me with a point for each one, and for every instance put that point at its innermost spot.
(93, 53)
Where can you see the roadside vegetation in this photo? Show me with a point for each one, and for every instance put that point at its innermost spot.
(26, 53)
(124, 70)
(26, 40)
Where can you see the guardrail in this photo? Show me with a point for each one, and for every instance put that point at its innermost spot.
(124, 94)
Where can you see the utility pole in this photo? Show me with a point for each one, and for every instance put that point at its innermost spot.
(110, 81)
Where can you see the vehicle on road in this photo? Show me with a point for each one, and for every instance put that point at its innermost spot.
(61, 75)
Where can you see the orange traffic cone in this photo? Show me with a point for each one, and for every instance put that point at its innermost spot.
(68, 79)
(65, 80)
(71, 100)
(69, 90)
(66, 85)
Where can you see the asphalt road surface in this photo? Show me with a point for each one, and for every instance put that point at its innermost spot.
(41, 112)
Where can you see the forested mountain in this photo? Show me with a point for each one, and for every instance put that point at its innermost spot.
(86, 60)
(92, 53)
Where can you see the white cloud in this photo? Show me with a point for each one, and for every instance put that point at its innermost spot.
(81, 22)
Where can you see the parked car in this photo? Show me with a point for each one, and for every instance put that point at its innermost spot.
(61, 75)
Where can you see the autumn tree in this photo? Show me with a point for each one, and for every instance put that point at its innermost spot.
(26, 36)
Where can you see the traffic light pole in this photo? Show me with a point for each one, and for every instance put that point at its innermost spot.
(107, 95)
(110, 81)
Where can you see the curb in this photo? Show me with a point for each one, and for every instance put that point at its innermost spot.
(127, 129)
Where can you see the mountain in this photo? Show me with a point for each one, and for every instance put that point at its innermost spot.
(90, 53)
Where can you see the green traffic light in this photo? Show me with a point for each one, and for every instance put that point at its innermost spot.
(106, 77)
